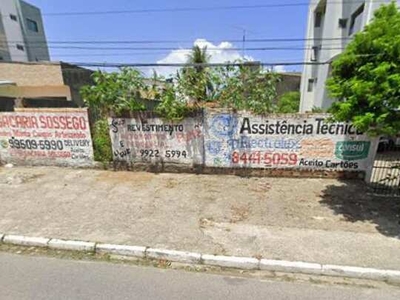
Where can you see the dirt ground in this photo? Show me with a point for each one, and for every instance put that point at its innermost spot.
(321, 220)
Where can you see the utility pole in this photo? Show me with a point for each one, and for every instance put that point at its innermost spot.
(244, 43)
(244, 36)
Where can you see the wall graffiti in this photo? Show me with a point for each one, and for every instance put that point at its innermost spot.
(46, 136)
(153, 140)
(238, 140)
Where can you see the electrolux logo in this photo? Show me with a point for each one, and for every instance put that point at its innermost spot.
(224, 125)
(3, 144)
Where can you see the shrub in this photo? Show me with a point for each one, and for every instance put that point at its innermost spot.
(102, 142)
(289, 103)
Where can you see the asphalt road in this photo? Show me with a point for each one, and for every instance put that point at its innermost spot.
(23, 277)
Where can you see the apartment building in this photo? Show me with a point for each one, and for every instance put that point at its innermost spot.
(331, 26)
(22, 36)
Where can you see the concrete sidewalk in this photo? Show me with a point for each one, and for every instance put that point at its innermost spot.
(313, 220)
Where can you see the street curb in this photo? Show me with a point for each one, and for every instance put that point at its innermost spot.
(26, 241)
(290, 266)
(247, 263)
(172, 255)
(72, 245)
(361, 273)
(123, 250)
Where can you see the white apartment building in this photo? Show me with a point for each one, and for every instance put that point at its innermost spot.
(22, 36)
(331, 26)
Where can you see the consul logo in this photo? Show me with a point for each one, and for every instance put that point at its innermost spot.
(352, 150)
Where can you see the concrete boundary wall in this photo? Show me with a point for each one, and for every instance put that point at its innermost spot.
(212, 141)
(59, 137)
(145, 141)
(218, 141)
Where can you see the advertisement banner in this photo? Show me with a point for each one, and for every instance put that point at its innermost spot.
(153, 140)
(284, 141)
(46, 137)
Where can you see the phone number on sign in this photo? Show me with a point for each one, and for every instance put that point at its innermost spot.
(167, 154)
(267, 158)
(35, 145)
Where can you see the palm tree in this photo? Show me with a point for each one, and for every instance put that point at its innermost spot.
(198, 56)
(198, 75)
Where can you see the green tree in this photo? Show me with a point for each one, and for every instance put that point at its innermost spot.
(116, 91)
(194, 81)
(289, 103)
(245, 87)
(366, 77)
(199, 56)
(172, 107)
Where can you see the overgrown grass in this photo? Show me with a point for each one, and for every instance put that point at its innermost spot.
(102, 142)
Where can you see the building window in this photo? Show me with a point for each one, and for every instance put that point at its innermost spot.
(32, 25)
(1, 58)
(310, 86)
(318, 19)
(13, 17)
(356, 19)
(314, 53)
(342, 23)
(319, 13)
(20, 47)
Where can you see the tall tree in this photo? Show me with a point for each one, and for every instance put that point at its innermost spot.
(366, 77)
(116, 92)
(246, 87)
(195, 80)
(199, 56)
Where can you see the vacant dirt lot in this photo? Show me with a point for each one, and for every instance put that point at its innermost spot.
(320, 220)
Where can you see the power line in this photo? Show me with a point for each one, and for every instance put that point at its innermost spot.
(232, 64)
(263, 40)
(102, 54)
(99, 54)
(177, 50)
(176, 9)
(106, 65)
(197, 9)
(248, 64)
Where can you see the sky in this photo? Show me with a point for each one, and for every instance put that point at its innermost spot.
(217, 29)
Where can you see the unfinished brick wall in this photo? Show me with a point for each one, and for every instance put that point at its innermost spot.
(32, 74)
